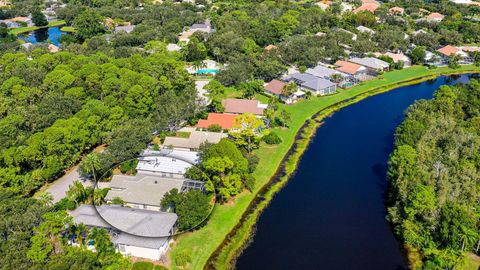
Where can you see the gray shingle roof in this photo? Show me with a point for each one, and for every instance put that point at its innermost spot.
(301, 77)
(324, 72)
(318, 84)
(138, 222)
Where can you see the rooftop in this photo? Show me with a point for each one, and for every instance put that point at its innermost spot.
(318, 84)
(435, 16)
(449, 50)
(224, 120)
(370, 7)
(148, 223)
(240, 106)
(142, 189)
(195, 139)
(275, 87)
(347, 67)
(324, 72)
(370, 62)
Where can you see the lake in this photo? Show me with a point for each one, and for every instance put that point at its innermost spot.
(44, 35)
(331, 214)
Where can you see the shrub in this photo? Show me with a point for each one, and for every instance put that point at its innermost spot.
(214, 128)
(272, 138)
(142, 266)
(65, 204)
(249, 182)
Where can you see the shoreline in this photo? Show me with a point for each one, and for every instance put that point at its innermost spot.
(240, 235)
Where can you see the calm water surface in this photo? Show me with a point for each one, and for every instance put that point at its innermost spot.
(44, 35)
(331, 215)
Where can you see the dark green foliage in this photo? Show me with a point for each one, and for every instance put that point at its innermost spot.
(192, 207)
(39, 19)
(272, 138)
(434, 181)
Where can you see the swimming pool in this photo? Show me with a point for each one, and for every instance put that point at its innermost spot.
(206, 71)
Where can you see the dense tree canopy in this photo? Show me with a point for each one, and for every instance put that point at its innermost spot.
(434, 177)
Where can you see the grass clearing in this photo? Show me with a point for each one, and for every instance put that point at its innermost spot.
(202, 243)
(21, 30)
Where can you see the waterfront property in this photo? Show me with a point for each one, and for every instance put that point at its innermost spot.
(146, 191)
(372, 64)
(342, 79)
(276, 87)
(317, 86)
(131, 230)
(357, 72)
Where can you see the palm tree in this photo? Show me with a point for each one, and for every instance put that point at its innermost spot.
(468, 237)
(101, 237)
(77, 192)
(46, 198)
(91, 164)
(79, 230)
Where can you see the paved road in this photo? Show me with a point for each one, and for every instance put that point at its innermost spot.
(59, 188)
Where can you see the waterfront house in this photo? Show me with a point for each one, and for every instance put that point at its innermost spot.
(241, 106)
(341, 78)
(275, 88)
(396, 57)
(357, 72)
(138, 228)
(194, 140)
(373, 64)
(448, 51)
(144, 191)
(224, 120)
(316, 85)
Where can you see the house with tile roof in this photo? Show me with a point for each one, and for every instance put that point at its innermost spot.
(373, 64)
(448, 51)
(396, 11)
(241, 106)
(275, 88)
(358, 72)
(370, 7)
(434, 17)
(224, 120)
(396, 57)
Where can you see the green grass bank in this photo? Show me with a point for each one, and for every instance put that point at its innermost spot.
(21, 30)
(230, 226)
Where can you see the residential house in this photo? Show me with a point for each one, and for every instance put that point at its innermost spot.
(357, 72)
(342, 79)
(172, 47)
(373, 64)
(364, 29)
(52, 48)
(205, 27)
(10, 23)
(370, 7)
(275, 87)
(124, 28)
(318, 86)
(224, 120)
(241, 106)
(434, 17)
(148, 239)
(448, 51)
(193, 141)
(166, 162)
(144, 191)
(396, 57)
(396, 11)
(324, 4)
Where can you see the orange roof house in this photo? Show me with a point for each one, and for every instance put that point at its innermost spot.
(449, 50)
(270, 47)
(435, 16)
(224, 120)
(396, 10)
(348, 67)
(370, 7)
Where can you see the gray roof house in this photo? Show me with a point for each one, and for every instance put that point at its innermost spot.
(134, 232)
(370, 63)
(194, 141)
(124, 28)
(324, 72)
(316, 85)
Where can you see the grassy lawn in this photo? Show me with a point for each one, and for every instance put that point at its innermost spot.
(146, 266)
(69, 29)
(21, 30)
(202, 243)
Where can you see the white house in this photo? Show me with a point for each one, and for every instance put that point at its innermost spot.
(134, 232)
(166, 162)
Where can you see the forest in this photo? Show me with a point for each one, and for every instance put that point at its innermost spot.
(434, 178)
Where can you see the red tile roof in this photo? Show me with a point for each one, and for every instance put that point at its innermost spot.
(371, 7)
(396, 10)
(223, 120)
(448, 50)
(239, 106)
(435, 16)
(347, 67)
(275, 87)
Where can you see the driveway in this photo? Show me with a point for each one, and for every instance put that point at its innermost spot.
(60, 187)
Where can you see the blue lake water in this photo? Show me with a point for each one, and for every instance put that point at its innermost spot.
(44, 35)
(331, 214)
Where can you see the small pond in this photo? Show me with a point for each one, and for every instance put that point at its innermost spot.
(51, 35)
